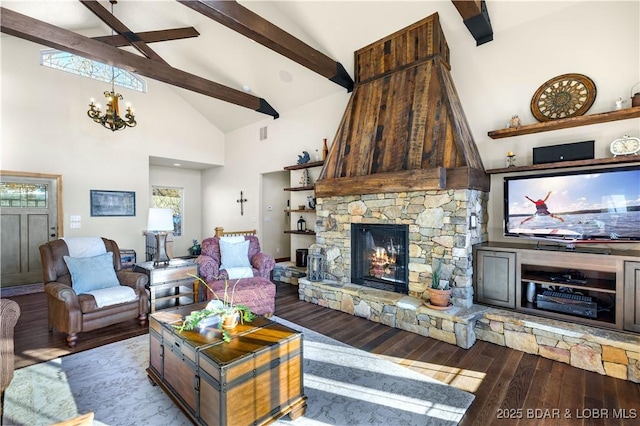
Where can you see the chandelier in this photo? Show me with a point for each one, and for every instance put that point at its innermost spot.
(111, 118)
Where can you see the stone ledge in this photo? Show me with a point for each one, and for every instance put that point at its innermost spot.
(288, 272)
(620, 339)
(608, 352)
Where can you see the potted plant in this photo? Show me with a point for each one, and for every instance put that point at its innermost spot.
(440, 290)
(221, 312)
(195, 249)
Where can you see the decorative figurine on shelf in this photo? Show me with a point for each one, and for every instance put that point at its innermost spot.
(619, 103)
(510, 160)
(312, 202)
(304, 158)
(514, 123)
(305, 179)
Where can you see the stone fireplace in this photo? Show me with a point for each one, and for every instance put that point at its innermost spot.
(439, 226)
(404, 155)
(380, 256)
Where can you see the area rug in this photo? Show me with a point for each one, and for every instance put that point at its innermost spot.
(344, 386)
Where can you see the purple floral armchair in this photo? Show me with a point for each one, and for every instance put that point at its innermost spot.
(210, 258)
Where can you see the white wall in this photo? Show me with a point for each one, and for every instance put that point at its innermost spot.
(246, 158)
(45, 129)
(274, 241)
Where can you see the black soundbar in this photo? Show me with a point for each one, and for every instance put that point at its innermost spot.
(565, 152)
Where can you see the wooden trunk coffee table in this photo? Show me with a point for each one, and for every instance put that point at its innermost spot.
(254, 379)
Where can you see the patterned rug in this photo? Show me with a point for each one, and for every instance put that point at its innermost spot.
(344, 386)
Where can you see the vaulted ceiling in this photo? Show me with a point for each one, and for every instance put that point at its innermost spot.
(251, 72)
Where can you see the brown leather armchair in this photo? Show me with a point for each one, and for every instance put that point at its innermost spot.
(73, 313)
(9, 314)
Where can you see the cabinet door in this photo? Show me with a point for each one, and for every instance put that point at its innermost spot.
(632, 296)
(496, 278)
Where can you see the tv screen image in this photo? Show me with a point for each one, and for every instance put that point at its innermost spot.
(582, 206)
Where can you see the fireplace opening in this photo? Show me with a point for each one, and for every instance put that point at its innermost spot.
(380, 256)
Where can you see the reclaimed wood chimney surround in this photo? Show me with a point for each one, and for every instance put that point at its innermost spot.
(404, 128)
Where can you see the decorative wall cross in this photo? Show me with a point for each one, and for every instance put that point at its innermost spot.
(242, 200)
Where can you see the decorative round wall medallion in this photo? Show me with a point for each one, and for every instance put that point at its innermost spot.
(567, 95)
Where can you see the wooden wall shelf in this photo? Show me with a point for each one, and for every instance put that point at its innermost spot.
(566, 123)
(300, 232)
(567, 164)
(300, 188)
(300, 210)
(305, 165)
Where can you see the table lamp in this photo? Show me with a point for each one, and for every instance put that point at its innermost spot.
(160, 224)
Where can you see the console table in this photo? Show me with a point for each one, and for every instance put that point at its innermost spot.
(252, 380)
(170, 284)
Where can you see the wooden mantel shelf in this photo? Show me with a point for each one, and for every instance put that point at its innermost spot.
(566, 123)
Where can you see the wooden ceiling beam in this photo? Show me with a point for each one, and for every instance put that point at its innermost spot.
(244, 21)
(476, 18)
(150, 36)
(27, 28)
(468, 8)
(115, 24)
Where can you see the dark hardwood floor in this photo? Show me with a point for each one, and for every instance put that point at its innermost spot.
(511, 387)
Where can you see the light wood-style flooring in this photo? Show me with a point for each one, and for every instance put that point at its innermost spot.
(511, 387)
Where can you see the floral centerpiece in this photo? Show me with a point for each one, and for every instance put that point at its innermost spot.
(222, 312)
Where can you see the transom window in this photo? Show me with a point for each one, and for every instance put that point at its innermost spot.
(84, 67)
(23, 195)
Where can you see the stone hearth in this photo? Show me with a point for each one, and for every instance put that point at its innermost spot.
(607, 352)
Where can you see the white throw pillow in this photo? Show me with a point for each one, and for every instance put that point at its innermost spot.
(234, 255)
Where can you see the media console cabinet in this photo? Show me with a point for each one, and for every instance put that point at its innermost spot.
(592, 288)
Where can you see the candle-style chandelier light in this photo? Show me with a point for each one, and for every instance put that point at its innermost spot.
(111, 118)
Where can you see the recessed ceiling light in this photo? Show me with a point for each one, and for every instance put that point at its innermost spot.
(177, 164)
(246, 88)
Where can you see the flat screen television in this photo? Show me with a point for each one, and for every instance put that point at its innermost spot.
(589, 206)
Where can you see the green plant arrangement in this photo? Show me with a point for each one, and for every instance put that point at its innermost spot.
(221, 311)
(439, 297)
(435, 278)
(195, 249)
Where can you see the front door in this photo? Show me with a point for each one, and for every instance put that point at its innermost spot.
(29, 207)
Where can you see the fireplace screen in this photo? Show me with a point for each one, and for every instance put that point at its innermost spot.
(379, 256)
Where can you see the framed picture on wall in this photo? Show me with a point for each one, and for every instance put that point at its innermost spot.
(113, 203)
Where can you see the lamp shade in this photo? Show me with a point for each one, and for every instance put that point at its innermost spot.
(160, 220)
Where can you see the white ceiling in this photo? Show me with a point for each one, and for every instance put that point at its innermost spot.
(336, 28)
